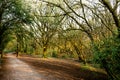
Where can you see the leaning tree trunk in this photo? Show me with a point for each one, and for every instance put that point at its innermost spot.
(80, 57)
(110, 73)
(113, 11)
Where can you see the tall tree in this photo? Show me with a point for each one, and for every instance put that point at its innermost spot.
(113, 8)
(45, 25)
(12, 13)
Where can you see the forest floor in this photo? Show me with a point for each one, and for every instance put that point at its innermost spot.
(29, 68)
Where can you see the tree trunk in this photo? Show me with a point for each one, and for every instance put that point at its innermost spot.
(114, 14)
(44, 51)
(1, 54)
(118, 33)
(79, 55)
(17, 53)
(80, 58)
(105, 65)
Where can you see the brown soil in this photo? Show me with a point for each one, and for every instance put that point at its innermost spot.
(28, 68)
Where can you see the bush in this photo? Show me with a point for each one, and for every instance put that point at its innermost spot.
(54, 54)
(65, 56)
(107, 54)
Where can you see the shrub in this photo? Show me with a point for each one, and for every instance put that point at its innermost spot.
(65, 56)
(54, 54)
(107, 54)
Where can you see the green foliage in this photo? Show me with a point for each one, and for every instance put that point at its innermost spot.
(54, 54)
(65, 56)
(10, 46)
(12, 13)
(6, 39)
(107, 54)
(30, 50)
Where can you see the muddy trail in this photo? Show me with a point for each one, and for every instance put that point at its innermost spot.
(28, 68)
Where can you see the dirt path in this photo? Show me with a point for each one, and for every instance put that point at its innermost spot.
(15, 69)
(27, 68)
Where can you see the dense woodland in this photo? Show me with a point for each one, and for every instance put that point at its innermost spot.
(84, 30)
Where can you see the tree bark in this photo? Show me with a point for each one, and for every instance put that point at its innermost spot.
(17, 53)
(1, 54)
(113, 11)
(44, 51)
(105, 65)
(79, 54)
